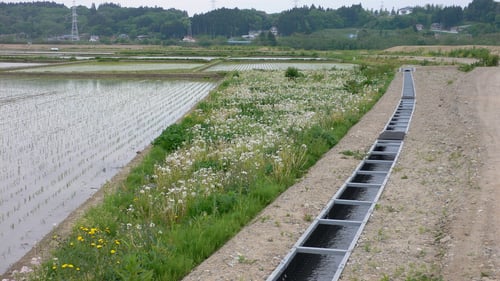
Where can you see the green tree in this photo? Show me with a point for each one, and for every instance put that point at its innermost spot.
(482, 10)
(450, 16)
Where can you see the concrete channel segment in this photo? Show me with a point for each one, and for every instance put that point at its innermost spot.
(322, 251)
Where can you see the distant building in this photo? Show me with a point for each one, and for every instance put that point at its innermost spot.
(66, 37)
(94, 38)
(123, 36)
(188, 39)
(253, 34)
(274, 30)
(436, 26)
(419, 27)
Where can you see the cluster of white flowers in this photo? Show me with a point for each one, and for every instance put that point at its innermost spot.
(249, 127)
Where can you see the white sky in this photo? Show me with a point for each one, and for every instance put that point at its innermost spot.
(269, 6)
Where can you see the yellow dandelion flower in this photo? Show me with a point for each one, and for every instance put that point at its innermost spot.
(117, 242)
(93, 231)
(99, 246)
(101, 241)
(80, 238)
(72, 244)
(113, 251)
(77, 269)
(54, 267)
(92, 244)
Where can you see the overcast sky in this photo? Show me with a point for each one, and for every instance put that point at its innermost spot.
(269, 6)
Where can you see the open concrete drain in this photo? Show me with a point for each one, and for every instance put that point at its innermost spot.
(322, 251)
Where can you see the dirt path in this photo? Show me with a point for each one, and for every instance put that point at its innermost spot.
(475, 248)
(439, 214)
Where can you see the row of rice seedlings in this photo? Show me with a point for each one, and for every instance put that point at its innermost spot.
(276, 66)
(113, 67)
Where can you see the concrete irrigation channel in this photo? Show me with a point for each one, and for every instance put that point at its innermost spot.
(322, 251)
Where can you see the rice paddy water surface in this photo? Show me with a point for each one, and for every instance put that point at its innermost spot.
(61, 140)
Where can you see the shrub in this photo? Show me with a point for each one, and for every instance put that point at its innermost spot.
(293, 73)
(172, 137)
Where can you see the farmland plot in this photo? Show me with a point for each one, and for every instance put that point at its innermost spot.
(113, 67)
(9, 65)
(62, 139)
(277, 66)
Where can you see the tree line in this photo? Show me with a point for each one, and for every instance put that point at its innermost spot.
(37, 21)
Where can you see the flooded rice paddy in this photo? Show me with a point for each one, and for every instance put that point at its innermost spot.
(277, 66)
(113, 67)
(10, 65)
(62, 139)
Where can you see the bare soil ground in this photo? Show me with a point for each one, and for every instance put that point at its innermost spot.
(439, 213)
(46, 47)
(441, 48)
